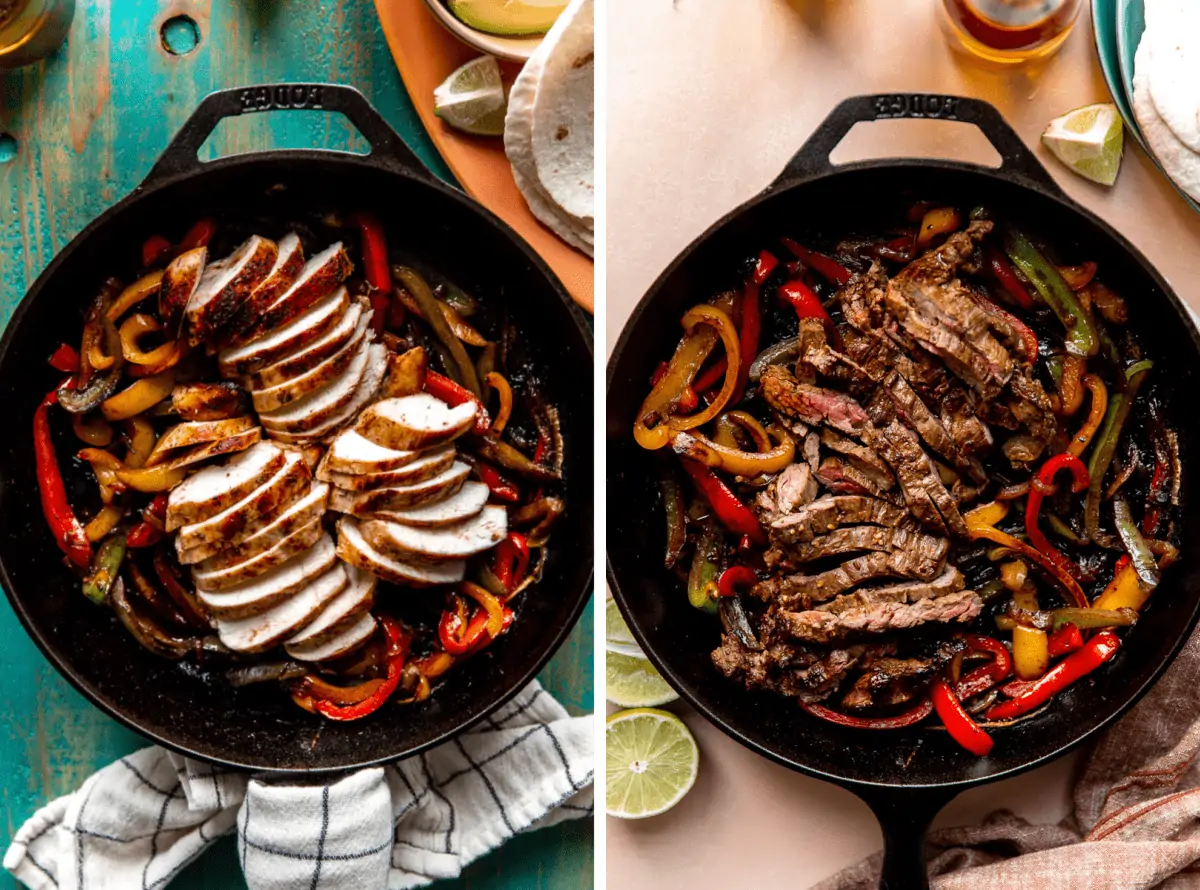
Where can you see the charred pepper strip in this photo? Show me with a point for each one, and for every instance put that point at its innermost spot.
(702, 576)
(900, 721)
(1106, 447)
(500, 487)
(962, 728)
(375, 266)
(510, 561)
(398, 642)
(149, 532)
(64, 524)
(751, 331)
(432, 311)
(675, 511)
(442, 387)
(1043, 484)
(1140, 556)
(1095, 652)
(981, 522)
(826, 267)
(1082, 338)
(731, 512)
(105, 568)
(155, 250)
(766, 263)
(1007, 278)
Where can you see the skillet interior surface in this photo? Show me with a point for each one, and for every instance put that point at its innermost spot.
(189, 709)
(678, 639)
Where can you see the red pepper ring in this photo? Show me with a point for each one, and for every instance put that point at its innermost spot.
(734, 579)
(442, 387)
(398, 642)
(962, 728)
(1095, 652)
(899, 721)
(1042, 485)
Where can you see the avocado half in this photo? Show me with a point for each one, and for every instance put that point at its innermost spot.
(508, 18)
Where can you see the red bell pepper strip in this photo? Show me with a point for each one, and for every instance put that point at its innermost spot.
(1043, 484)
(827, 268)
(65, 359)
(1028, 339)
(1004, 273)
(750, 333)
(908, 718)
(1099, 649)
(146, 532)
(398, 642)
(510, 561)
(962, 728)
(731, 512)
(735, 578)
(1064, 640)
(375, 266)
(459, 638)
(763, 267)
(711, 376)
(197, 236)
(499, 486)
(442, 387)
(808, 305)
(981, 679)
(155, 249)
(68, 532)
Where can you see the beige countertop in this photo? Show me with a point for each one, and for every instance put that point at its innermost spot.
(707, 99)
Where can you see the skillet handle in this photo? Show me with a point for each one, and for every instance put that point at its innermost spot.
(904, 815)
(387, 148)
(1017, 161)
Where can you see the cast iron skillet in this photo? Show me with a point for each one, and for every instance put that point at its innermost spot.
(904, 776)
(258, 727)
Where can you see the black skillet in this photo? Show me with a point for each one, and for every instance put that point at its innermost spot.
(200, 714)
(905, 776)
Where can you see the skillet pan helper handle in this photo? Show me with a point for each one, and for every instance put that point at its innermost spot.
(904, 815)
(387, 148)
(1018, 162)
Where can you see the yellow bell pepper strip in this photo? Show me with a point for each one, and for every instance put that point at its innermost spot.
(103, 523)
(1081, 336)
(1041, 485)
(731, 512)
(748, 464)
(961, 726)
(1070, 388)
(95, 431)
(132, 330)
(756, 431)
(1095, 652)
(142, 440)
(1119, 406)
(713, 317)
(490, 604)
(910, 717)
(65, 526)
(986, 515)
(671, 387)
(1078, 277)
(1095, 414)
(1031, 652)
(937, 221)
(1064, 640)
(153, 479)
(1091, 619)
(498, 382)
(140, 397)
(146, 286)
(1125, 591)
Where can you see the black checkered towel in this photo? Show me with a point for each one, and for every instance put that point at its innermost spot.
(139, 821)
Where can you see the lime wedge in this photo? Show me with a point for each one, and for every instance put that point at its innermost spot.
(617, 636)
(632, 682)
(651, 760)
(472, 98)
(1089, 141)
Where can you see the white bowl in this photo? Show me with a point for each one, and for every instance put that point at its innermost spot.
(516, 49)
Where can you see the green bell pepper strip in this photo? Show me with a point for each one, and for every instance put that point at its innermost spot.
(1082, 338)
(1119, 406)
(702, 579)
(105, 567)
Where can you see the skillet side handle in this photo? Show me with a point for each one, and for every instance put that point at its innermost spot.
(1017, 161)
(387, 148)
(904, 815)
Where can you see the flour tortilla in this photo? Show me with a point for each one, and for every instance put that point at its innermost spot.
(564, 117)
(518, 143)
(1177, 159)
(1173, 65)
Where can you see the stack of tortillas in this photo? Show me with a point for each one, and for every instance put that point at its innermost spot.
(1166, 88)
(548, 132)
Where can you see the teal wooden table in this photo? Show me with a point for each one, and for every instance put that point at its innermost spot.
(77, 132)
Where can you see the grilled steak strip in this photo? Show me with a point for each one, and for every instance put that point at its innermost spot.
(862, 537)
(800, 591)
(827, 627)
(793, 487)
(951, 580)
(828, 513)
(813, 404)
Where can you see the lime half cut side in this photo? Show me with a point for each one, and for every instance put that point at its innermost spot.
(651, 761)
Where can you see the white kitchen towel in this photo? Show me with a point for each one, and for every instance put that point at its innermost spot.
(138, 822)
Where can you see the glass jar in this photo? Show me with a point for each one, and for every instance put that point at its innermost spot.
(32, 29)
(1010, 31)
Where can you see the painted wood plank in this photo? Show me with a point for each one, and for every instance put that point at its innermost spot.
(89, 123)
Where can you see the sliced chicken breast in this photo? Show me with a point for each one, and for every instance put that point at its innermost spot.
(276, 397)
(343, 643)
(311, 355)
(197, 432)
(322, 404)
(364, 394)
(179, 284)
(299, 541)
(239, 521)
(258, 632)
(429, 464)
(340, 612)
(289, 262)
(226, 285)
(215, 489)
(354, 549)
(320, 276)
(284, 341)
(401, 497)
(481, 532)
(305, 511)
(415, 422)
(265, 591)
(208, 450)
(464, 504)
(351, 453)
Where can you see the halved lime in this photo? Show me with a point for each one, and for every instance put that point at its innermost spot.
(651, 761)
(472, 98)
(1089, 140)
(617, 636)
(634, 683)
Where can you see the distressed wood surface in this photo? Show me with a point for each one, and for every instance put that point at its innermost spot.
(88, 124)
